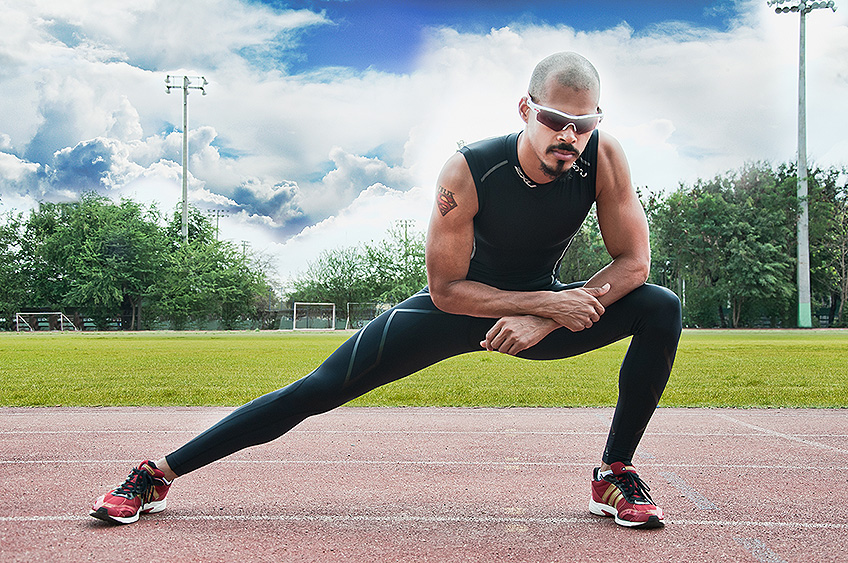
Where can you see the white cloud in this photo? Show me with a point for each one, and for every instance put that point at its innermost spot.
(13, 169)
(351, 173)
(367, 219)
(342, 152)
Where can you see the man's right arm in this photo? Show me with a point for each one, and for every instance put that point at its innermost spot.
(450, 241)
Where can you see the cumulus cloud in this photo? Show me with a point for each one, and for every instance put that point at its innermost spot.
(154, 34)
(334, 155)
(351, 174)
(366, 219)
(275, 205)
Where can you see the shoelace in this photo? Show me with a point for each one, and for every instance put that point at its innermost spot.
(138, 484)
(635, 490)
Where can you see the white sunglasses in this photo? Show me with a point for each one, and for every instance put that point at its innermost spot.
(560, 121)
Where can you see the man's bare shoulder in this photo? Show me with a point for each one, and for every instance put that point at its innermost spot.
(613, 168)
(608, 147)
(456, 169)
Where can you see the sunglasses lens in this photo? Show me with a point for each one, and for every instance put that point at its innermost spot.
(558, 122)
(551, 120)
(586, 125)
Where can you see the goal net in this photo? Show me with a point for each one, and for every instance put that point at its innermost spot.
(360, 314)
(314, 316)
(43, 321)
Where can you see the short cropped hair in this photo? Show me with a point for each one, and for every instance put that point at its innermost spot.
(571, 70)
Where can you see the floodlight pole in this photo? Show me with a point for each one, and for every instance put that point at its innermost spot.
(803, 7)
(217, 214)
(406, 224)
(185, 87)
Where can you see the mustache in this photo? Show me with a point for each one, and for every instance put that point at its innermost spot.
(564, 147)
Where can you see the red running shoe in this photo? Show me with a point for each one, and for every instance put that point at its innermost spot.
(142, 493)
(623, 495)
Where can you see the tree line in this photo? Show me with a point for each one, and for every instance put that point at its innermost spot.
(385, 271)
(726, 246)
(122, 262)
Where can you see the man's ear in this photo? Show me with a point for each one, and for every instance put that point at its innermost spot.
(523, 109)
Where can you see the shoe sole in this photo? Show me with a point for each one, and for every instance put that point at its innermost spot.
(102, 513)
(608, 511)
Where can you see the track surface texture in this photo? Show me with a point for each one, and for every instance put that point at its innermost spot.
(430, 484)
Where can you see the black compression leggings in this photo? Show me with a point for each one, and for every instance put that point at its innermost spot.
(414, 335)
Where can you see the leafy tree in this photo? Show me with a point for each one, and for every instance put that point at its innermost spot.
(395, 266)
(206, 278)
(92, 255)
(237, 285)
(117, 261)
(337, 276)
(12, 285)
(44, 245)
(827, 194)
(386, 271)
(841, 248)
(200, 228)
(726, 239)
(109, 260)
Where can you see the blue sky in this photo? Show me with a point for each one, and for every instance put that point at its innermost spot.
(388, 34)
(327, 120)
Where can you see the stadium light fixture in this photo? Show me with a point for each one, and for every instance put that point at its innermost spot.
(802, 7)
(185, 87)
(217, 214)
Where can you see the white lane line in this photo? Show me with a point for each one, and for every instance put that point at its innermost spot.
(781, 434)
(699, 500)
(759, 550)
(430, 519)
(479, 463)
(414, 462)
(507, 431)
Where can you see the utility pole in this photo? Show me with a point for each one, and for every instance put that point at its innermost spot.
(802, 7)
(185, 87)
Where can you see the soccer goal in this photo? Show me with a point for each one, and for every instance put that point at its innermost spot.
(314, 316)
(43, 321)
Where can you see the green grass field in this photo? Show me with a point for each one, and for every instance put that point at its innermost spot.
(767, 368)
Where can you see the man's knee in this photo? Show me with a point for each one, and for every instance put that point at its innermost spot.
(661, 308)
(666, 301)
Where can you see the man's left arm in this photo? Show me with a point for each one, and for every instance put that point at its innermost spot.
(623, 224)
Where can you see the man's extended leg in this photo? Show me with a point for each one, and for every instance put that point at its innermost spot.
(405, 339)
(400, 342)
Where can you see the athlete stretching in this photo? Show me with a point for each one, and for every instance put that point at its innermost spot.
(506, 211)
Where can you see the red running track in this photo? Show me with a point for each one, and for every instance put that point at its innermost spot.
(430, 484)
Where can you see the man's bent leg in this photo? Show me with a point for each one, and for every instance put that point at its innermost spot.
(656, 317)
(651, 314)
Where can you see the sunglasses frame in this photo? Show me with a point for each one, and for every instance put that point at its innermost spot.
(571, 120)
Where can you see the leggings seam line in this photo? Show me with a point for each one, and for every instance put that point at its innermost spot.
(348, 381)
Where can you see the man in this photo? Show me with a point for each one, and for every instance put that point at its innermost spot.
(506, 210)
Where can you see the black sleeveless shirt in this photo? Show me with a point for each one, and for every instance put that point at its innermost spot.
(522, 229)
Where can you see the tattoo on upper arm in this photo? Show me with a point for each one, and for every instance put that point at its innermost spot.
(446, 201)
